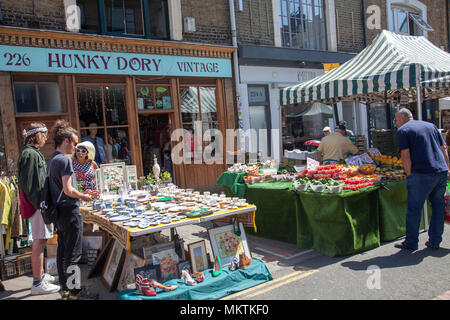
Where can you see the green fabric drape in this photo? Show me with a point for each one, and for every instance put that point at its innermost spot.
(234, 182)
(392, 204)
(275, 216)
(337, 225)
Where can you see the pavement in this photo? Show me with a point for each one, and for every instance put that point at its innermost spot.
(383, 273)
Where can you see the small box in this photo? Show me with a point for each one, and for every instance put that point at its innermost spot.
(51, 250)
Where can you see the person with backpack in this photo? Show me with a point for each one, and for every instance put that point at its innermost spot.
(32, 172)
(69, 223)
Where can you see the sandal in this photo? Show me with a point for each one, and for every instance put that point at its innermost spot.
(198, 276)
(156, 284)
(187, 278)
(244, 261)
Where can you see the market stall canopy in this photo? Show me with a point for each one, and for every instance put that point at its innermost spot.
(383, 71)
(438, 82)
(314, 109)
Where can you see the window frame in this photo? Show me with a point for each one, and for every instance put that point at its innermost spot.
(38, 103)
(145, 23)
(315, 39)
(410, 13)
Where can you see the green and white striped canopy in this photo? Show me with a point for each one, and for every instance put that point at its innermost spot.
(383, 71)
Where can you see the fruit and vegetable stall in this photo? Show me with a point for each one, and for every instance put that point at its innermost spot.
(335, 209)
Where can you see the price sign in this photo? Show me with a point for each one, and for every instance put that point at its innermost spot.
(374, 151)
(311, 164)
(355, 161)
(365, 158)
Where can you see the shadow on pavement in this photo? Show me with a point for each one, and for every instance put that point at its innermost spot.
(399, 259)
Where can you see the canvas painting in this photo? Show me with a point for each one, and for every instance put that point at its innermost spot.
(226, 243)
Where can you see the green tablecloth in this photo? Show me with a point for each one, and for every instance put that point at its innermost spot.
(337, 225)
(392, 205)
(276, 208)
(232, 182)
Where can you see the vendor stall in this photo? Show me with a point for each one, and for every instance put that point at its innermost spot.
(335, 209)
(140, 267)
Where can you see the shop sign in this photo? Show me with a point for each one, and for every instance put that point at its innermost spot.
(330, 66)
(29, 59)
(256, 94)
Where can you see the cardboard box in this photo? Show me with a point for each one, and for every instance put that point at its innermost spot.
(51, 250)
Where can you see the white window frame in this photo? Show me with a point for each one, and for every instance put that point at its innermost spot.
(330, 22)
(410, 6)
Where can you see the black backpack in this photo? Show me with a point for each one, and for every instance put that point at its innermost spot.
(49, 209)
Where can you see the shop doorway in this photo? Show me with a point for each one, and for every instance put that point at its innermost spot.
(154, 132)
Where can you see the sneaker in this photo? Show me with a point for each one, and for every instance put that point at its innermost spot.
(44, 288)
(49, 278)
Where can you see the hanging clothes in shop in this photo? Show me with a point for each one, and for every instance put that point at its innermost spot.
(6, 206)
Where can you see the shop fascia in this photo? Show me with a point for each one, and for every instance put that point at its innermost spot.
(189, 146)
(31, 59)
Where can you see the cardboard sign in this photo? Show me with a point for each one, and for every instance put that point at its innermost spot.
(355, 160)
(365, 158)
(374, 151)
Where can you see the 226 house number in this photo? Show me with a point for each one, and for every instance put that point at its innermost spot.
(17, 59)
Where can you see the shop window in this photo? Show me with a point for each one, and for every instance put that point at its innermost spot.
(259, 114)
(37, 97)
(303, 24)
(380, 116)
(103, 121)
(135, 18)
(199, 113)
(151, 97)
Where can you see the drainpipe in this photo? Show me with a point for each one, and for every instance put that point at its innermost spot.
(447, 5)
(235, 64)
(363, 17)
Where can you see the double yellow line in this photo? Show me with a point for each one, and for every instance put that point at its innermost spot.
(268, 286)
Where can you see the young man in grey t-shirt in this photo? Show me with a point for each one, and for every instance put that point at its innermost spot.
(69, 224)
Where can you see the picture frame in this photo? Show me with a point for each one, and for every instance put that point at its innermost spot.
(149, 272)
(127, 275)
(51, 266)
(198, 256)
(113, 266)
(99, 264)
(131, 177)
(226, 244)
(182, 266)
(93, 241)
(167, 261)
(113, 174)
(149, 251)
(99, 179)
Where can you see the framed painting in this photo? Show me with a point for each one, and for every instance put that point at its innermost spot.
(226, 244)
(93, 241)
(149, 251)
(167, 261)
(131, 177)
(113, 175)
(198, 256)
(183, 265)
(99, 263)
(149, 272)
(127, 276)
(113, 266)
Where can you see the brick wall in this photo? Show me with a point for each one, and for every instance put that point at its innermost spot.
(255, 23)
(436, 18)
(212, 21)
(349, 32)
(42, 14)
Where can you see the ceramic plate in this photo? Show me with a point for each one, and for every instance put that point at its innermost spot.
(119, 218)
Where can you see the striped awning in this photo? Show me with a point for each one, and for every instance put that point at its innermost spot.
(438, 82)
(383, 71)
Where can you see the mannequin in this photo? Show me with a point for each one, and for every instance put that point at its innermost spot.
(100, 150)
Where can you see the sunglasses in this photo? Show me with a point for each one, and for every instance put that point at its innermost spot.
(83, 151)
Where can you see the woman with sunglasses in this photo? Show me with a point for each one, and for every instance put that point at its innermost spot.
(84, 165)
